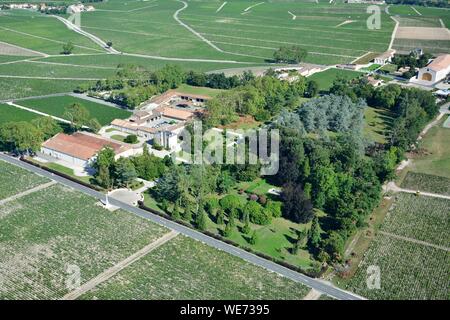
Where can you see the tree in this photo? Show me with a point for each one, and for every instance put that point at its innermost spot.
(314, 233)
(275, 208)
(47, 126)
(187, 213)
(312, 89)
(94, 125)
(292, 54)
(104, 166)
(109, 44)
(176, 212)
(228, 230)
(254, 238)
(124, 172)
(200, 220)
(334, 246)
(77, 115)
(68, 48)
(20, 137)
(220, 217)
(297, 207)
(246, 229)
(132, 138)
(230, 202)
(257, 214)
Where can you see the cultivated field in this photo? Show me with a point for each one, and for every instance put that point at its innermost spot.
(46, 235)
(55, 106)
(411, 250)
(186, 269)
(14, 88)
(426, 182)
(14, 180)
(12, 114)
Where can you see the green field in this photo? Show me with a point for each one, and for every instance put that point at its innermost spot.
(55, 106)
(198, 90)
(377, 124)
(326, 78)
(45, 233)
(409, 270)
(426, 182)
(186, 269)
(435, 160)
(12, 114)
(14, 180)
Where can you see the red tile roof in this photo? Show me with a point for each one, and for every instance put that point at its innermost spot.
(82, 145)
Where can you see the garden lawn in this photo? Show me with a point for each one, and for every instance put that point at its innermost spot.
(184, 88)
(186, 269)
(377, 124)
(436, 159)
(56, 106)
(326, 78)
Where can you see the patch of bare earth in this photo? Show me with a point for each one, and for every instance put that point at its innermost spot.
(7, 49)
(422, 33)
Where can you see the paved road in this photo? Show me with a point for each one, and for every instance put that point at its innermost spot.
(316, 284)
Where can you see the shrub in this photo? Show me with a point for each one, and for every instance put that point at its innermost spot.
(275, 208)
(257, 213)
(131, 139)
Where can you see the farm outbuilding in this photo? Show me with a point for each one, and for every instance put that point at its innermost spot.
(436, 71)
(81, 148)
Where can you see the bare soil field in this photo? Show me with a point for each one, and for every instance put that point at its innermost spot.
(422, 33)
(7, 49)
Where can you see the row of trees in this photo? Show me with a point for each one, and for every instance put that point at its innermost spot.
(262, 98)
(426, 3)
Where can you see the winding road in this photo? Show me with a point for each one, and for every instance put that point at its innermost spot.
(318, 285)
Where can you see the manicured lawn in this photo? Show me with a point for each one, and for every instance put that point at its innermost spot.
(184, 88)
(186, 269)
(435, 160)
(65, 170)
(56, 106)
(326, 78)
(12, 114)
(377, 124)
(118, 137)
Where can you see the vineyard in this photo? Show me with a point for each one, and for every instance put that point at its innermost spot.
(43, 233)
(14, 180)
(409, 269)
(186, 269)
(422, 218)
(426, 182)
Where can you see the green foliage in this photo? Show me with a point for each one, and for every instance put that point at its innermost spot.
(132, 138)
(68, 48)
(21, 137)
(257, 213)
(230, 202)
(254, 238)
(124, 172)
(292, 54)
(48, 126)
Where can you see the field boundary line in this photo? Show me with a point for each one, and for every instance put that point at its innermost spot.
(175, 16)
(27, 192)
(49, 78)
(41, 54)
(394, 32)
(47, 39)
(107, 274)
(37, 112)
(415, 10)
(221, 7)
(252, 6)
(396, 236)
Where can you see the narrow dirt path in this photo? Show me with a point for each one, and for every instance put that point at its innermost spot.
(221, 7)
(312, 295)
(119, 266)
(391, 186)
(252, 6)
(414, 241)
(394, 32)
(27, 192)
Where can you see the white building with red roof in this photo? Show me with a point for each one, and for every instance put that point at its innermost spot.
(436, 71)
(81, 148)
